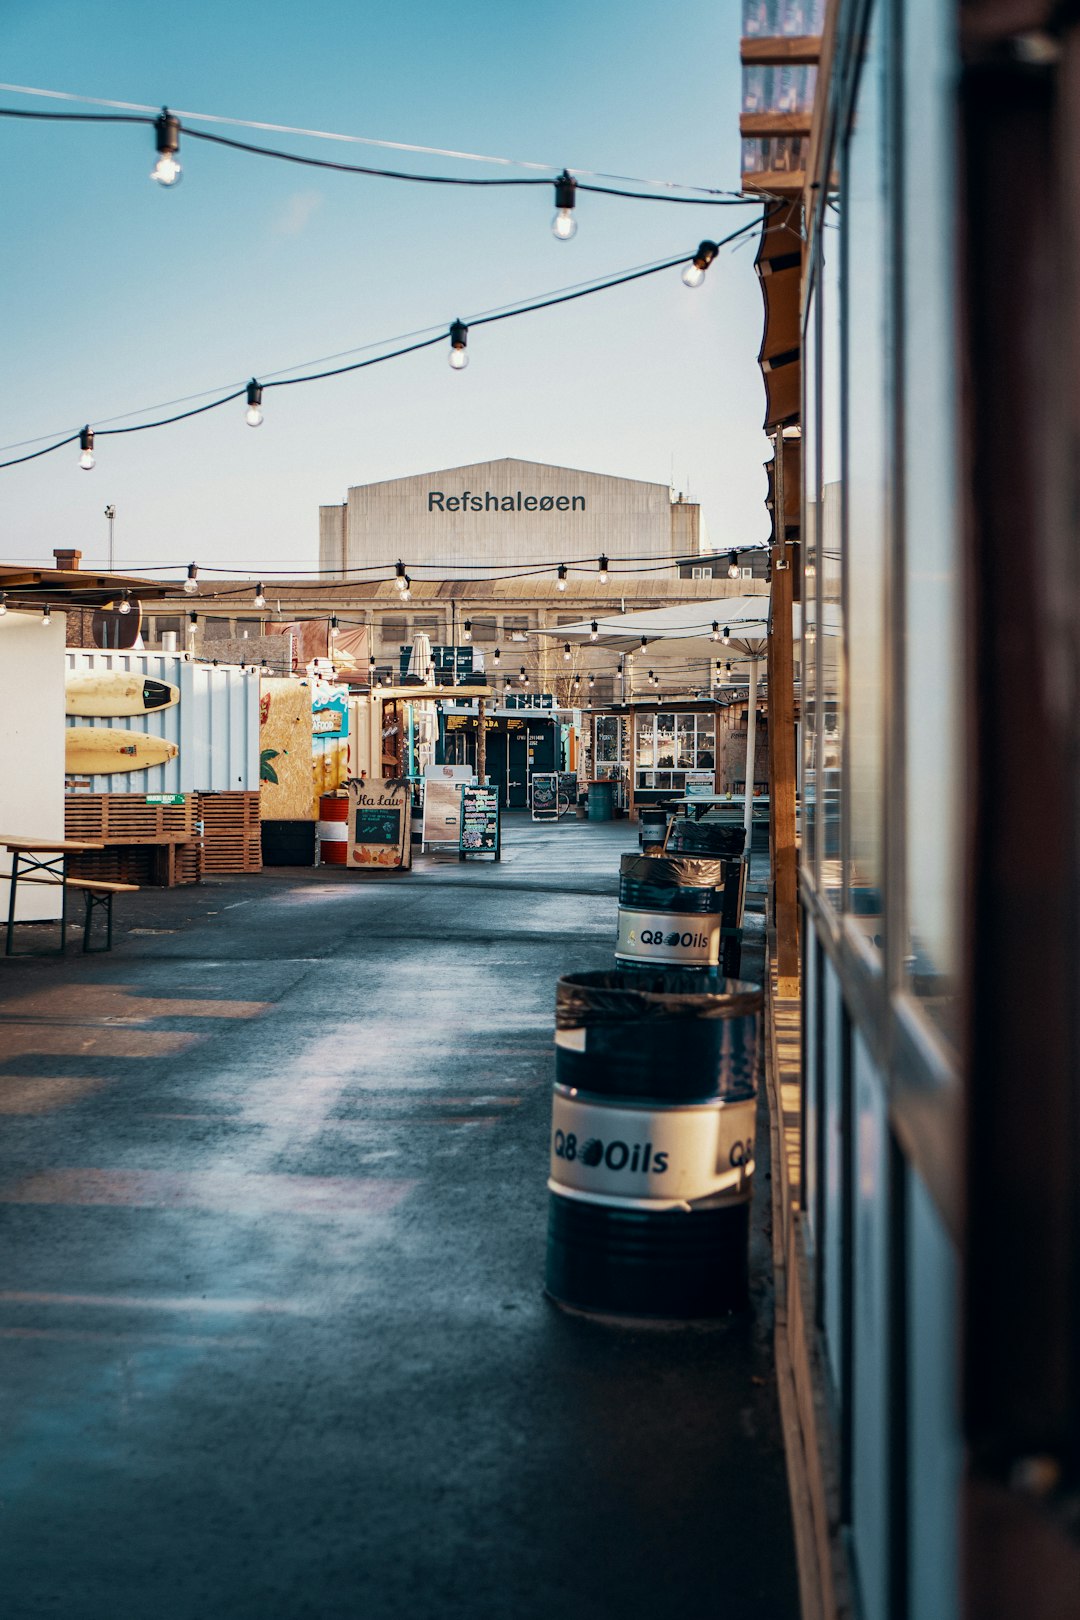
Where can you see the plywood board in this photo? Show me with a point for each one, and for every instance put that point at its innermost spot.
(285, 750)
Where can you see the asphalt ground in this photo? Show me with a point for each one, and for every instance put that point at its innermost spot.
(273, 1335)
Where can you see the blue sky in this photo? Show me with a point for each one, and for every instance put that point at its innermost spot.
(120, 294)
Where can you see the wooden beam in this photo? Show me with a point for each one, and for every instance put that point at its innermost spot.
(782, 746)
(757, 124)
(780, 51)
(783, 182)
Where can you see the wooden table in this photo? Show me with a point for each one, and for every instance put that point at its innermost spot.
(44, 855)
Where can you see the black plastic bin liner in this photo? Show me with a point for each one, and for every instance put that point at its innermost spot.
(667, 1035)
(670, 883)
(707, 838)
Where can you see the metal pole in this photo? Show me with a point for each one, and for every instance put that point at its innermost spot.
(110, 513)
(751, 750)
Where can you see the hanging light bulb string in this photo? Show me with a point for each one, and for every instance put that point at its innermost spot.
(140, 113)
(375, 360)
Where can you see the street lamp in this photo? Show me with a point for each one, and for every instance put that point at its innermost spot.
(110, 513)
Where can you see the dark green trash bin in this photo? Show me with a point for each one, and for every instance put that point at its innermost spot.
(601, 801)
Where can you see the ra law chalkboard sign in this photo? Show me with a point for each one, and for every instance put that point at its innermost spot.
(480, 822)
(379, 825)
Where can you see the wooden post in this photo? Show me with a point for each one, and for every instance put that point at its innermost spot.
(481, 741)
(782, 743)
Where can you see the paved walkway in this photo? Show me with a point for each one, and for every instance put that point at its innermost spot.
(273, 1340)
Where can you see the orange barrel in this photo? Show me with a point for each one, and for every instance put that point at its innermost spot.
(333, 829)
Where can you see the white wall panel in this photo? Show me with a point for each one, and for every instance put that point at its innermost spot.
(31, 746)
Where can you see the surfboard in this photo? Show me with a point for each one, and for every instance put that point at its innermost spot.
(109, 693)
(104, 750)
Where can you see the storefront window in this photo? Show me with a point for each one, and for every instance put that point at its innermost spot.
(866, 350)
(830, 630)
(931, 671)
(669, 745)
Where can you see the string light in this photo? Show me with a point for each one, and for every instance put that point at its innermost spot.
(3, 603)
(715, 630)
(733, 565)
(46, 617)
(564, 225)
(594, 631)
(566, 651)
(406, 594)
(459, 337)
(592, 678)
(260, 599)
(694, 274)
(467, 631)
(496, 658)
(167, 171)
(602, 570)
(644, 644)
(334, 632)
(400, 575)
(560, 584)
(254, 416)
(726, 637)
(86, 445)
(191, 584)
(124, 604)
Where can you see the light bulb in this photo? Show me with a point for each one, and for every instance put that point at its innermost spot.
(564, 225)
(726, 637)
(123, 606)
(467, 631)
(693, 275)
(46, 617)
(260, 599)
(496, 657)
(254, 415)
(594, 631)
(566, 651)
(86, 445)
(715, 631)
(601, 575)
(406, 591)
(560, 584)
(86, 460)
(333, 626)
(166, 171)
(191, 584)
(459, 354)
(733, 566)
(3, 603)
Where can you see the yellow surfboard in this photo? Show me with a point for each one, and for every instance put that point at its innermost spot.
(110, 693)
(104, 750)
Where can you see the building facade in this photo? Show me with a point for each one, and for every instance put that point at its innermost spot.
(469, 521)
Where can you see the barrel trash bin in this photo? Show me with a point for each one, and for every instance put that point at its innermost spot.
(333, 829)
(669, 911)
(601, 801)
(652, 1143)
(652, 825)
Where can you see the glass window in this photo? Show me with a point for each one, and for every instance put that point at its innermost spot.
(932, 750)
(830, 630)
(866, 364)
(807, 650)
(483, 629)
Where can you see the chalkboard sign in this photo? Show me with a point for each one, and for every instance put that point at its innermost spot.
(545, 795)
(568, 788)
(480, 822)
(378, 824)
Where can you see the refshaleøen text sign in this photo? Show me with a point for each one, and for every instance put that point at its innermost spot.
(437, 501)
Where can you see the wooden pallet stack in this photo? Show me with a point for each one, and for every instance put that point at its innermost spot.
(146, 842)
(231, 832)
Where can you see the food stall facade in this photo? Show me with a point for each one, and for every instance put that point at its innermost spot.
(519, 741)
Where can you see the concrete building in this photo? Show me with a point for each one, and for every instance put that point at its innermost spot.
(471, 520)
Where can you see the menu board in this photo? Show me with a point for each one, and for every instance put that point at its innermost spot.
(380, 820)
(568, 788)
(545, 795)
(442, 811)
(480, 822)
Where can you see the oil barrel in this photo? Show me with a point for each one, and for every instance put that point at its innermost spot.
(333, 829)
(723, 838)
(669, 911)
(652, 1143)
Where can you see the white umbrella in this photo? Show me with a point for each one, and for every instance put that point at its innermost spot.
(686, 631)
(419, 660)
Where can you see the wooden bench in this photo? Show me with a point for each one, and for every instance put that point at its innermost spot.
(99, 896)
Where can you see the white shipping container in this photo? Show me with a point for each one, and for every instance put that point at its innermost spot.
(215, 725)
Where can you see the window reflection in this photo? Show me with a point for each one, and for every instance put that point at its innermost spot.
(829, 650)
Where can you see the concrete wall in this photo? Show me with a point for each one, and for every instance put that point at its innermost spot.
(469, 520)
(31, 745)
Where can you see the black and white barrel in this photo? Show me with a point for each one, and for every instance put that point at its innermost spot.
(669, 911)
(652, 1143)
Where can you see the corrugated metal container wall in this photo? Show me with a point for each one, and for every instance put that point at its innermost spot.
(215, 725)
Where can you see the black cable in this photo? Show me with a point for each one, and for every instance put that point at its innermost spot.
(373, 173)
(360, 365)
